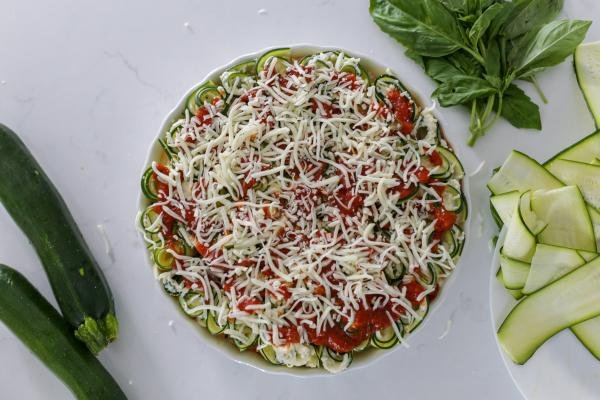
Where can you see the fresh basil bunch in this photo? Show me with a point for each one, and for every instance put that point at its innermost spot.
(476, 49)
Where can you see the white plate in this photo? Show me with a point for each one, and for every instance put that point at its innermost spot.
(218, 343)
(561, 369)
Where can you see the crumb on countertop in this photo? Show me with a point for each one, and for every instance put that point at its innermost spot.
(478, 169)
(446, 331)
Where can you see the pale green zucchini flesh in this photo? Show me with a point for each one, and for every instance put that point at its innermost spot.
(584, 176)
(521, 172)
(587, 70)
(567, 220)
(568, 301)
(549, 264)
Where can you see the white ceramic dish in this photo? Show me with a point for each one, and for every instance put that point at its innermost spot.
(561, 369)
(219, 344)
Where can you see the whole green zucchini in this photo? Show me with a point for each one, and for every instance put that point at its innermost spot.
(39, 326)
(76, 279)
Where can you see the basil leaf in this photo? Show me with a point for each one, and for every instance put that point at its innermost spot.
(530, 14)
(469, 19)
(413, 55)
(486, 3)
(425, 27)
(495, 81)
(519, 110)
(459, 63)
(473, 7)
(483, 22)
(466, 9)
(461, 89)
(440, 69)
(493, 60)
(465, 62)
(498, 22)
(457, 6)
(518, 46)
(551, 45)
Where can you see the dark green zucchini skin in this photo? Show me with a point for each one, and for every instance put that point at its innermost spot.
(42, 329)
(38, 209)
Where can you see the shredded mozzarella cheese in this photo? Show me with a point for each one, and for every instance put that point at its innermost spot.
(291, 203)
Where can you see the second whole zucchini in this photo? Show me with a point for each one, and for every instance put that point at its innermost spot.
(41, 328)
(38, 209)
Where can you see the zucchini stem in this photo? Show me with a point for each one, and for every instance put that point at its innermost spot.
(97, 334)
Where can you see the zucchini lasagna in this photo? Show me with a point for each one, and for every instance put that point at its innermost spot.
(304, 207)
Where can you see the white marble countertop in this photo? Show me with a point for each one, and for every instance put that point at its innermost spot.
(86, 84)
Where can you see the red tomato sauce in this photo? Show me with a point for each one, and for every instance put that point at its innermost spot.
(444, 219)
(403, 190)
(243, 305)
(402, 109)
(366, 322)
(347, 202)
(329, 109)
(204, 116)
(413, 290)
(422, 174)
(436, 158)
